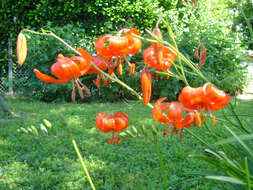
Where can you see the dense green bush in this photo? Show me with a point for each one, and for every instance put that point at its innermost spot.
(191, 26)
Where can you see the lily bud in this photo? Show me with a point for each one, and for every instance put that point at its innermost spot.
(21, 48)
(146, 85)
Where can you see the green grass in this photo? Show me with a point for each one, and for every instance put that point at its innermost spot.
(28, 162)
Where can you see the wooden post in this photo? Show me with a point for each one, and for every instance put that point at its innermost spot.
(3, 107)
(10, 70)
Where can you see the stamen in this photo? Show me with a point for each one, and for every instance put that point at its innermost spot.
(213, 120)
(80, 91)
(73, 94)
(198, 119)
(128, 63)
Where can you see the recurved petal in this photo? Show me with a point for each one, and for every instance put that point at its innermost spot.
(47, 78)
(84, 54)
(121, 121)
(158, 110)
(100, 46)
(101, 124)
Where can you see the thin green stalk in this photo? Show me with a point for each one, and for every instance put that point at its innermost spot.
(197, 137)
(65, 43)
(168, 73)
(83, 165)
(227, 119)
(240, 141)
(179, 58)
(188, 62)
(238, 119)
(247, 173)
(214, 135)
(37, 33)
(186, 70)
(161, 163)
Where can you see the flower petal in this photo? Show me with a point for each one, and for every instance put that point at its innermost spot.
(47, 78)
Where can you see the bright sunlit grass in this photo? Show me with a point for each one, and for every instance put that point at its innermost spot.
(28, 162)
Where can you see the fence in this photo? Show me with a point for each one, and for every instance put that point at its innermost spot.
(8, 81)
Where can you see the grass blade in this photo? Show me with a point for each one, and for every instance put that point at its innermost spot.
(226, 179)
(240, 141)
(233, 139)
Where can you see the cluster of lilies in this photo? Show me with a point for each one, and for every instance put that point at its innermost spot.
(193, 102)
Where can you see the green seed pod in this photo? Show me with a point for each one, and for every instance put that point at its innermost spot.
(123, 134)
(144, 130)
(35, 131)
(43, 128)
(130, 134)
(134, 130)
(24, 130)
(47, 123)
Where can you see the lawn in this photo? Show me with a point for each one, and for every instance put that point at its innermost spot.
(50, 162)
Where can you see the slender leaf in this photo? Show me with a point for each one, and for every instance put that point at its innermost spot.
(226, 179)
(233, 139)
(240, 141)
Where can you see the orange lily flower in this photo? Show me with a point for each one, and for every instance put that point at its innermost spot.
(66, 69)
(151, 60)
(174, 116)
(158, 56)
(206, 98)
(118, 47)
(114, 122)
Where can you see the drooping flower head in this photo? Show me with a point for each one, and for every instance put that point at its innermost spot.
(114, 122)
(174, 116)
(206, 98)
(66, 69)
(157, 56)
(113, 48)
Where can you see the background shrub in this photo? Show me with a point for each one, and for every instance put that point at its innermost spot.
(209, 23)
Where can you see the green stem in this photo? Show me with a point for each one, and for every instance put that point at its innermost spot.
(37, 33)
(197, 137)
(176, 47)
(238, 119)
(161, 163)
(122, 84)
(214, 135)
(168, 73)
(188, 62)
(83, 165)
(247, 173)
(65, 43)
